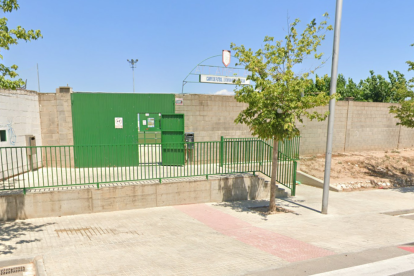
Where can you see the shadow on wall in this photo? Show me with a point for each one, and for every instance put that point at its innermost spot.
(238, 188)
(240, 195)
(12, 205)
(13, 234)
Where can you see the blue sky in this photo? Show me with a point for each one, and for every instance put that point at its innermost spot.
(86, 43)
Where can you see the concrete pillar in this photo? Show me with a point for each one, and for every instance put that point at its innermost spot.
(56, 124)
(348, 123)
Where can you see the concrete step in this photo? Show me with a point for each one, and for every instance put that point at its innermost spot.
(281, 191)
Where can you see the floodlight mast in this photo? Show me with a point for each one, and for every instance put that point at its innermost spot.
(133, 62)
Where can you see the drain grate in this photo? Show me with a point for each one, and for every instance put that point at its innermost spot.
(91, 231)
(12, 270)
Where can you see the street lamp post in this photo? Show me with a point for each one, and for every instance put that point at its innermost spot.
(334, 76)
(133, 62)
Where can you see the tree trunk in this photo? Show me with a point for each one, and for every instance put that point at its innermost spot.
(272, 202)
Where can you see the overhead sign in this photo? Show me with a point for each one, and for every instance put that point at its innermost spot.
(226, 56)
(119, 122)
(222, 79)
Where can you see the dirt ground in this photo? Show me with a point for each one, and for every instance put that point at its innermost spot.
(395, 167)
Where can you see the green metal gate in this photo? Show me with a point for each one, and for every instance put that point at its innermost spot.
(172, 139)
(96, 139)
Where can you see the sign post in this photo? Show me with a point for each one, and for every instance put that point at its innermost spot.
(224, 76)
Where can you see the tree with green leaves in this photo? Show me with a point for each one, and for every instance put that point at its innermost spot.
(277, 96)
(10, 37)
(405, 111)
(375, 88)
(378, 89)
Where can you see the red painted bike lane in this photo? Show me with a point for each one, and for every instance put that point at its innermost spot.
(284, 247)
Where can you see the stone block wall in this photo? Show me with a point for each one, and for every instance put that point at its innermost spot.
(56, 123)
(212, 116)
(357, 126)
(56, 117)
(313, 133)
(371, 127)
(406, 138)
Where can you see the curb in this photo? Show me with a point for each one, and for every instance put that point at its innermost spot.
(36, 260)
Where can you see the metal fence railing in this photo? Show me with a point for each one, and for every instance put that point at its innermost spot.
(288, 147)
(55, 166)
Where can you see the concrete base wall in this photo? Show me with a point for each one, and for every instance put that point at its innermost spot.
(92, 200)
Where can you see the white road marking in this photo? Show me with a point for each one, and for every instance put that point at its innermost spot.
(381, 268)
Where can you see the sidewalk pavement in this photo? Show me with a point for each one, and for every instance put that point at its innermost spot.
(215, 238)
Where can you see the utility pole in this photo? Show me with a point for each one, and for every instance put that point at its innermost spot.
(332, 90)
(133, 62)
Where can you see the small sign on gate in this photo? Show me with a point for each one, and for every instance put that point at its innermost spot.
(119, 122)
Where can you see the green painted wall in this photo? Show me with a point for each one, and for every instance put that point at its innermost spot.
(93, 116)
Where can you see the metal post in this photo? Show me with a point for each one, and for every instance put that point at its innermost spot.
(38, 81)
(133, 80)
(133, 62)
(221, 150)
(334, 76)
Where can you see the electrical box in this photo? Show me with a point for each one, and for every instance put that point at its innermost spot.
(31, 152)
(30, 142)
(189, 139)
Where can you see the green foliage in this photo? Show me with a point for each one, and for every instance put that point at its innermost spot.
(405, 111)
(277, 96)
(11, 37)
(375, 88)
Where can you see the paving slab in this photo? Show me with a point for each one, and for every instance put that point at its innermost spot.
(213, 239)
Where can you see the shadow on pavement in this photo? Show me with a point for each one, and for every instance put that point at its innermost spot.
(298, 204)
(404, 190)
(252, 207)
(13, 234)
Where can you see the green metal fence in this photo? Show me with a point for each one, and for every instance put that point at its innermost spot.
(288, 147)
(54, 166)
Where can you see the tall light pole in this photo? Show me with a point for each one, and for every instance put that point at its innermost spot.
(133, 62)
(334, 76)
